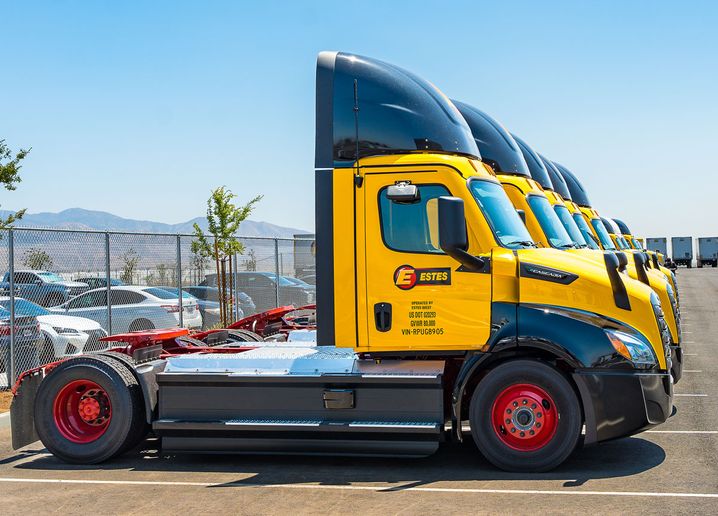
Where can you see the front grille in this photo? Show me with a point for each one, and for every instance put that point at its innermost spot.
(93, 342)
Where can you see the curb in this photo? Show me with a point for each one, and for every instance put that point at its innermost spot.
(4, 419)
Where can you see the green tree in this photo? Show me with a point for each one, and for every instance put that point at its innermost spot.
(37, 259)
(9, 177)
(221, 244)
(130, 259)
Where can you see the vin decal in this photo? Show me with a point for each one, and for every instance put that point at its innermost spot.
(407, 277)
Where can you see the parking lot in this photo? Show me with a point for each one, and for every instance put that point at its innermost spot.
(673, 468)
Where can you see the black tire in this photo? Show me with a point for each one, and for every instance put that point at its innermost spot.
(567, 430)
(244, 336)
(125, 397)
(47, 351)
(141, 324)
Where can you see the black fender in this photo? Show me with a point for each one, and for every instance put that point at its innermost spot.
(573, 337)
(146, 375)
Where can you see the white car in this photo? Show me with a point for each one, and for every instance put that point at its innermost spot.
(133, 308)
(63, 335)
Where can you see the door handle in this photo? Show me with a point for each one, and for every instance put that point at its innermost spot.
(382, 316)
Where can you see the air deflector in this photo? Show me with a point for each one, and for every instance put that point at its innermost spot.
(367, 107)
(557, 181)
(496, 145)
(535, 164)
(578, 192)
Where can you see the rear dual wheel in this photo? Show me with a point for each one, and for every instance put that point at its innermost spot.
(88, 410)
(525, 416)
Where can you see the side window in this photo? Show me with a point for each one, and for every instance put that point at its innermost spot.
(125, 297)
(412, 227)
(24, 278)
(84, 301)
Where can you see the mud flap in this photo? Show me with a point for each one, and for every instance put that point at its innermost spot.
(22, 412)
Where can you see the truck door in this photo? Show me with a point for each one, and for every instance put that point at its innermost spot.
(417, 297)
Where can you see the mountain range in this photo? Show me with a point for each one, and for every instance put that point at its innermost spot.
(81, 219)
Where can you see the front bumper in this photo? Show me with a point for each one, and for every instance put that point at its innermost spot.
(622, 403)
(677, 359)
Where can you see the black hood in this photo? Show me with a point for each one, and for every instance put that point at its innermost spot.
(578, 192)
(535, 164)
(559, 185)
(391, 111)
(495, 144)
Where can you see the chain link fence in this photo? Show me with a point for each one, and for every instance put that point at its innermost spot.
(62, 290)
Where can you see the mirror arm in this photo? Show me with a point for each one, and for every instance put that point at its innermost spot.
(468, 260)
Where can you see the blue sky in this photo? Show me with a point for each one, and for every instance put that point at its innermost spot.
(140, 108)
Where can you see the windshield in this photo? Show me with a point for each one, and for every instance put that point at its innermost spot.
(570, 225)
(637, 244)
(549, 222)
(585, 231)
(23, 307)
(603, 235)
(49, 277)
(623, 242)
(500, 213)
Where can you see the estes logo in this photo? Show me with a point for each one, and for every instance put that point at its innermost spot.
(407, 277)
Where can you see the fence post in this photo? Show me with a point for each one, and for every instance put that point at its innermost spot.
(108, 282)
(235, 294)
(276, 269)
(179, 279)
(11, 267)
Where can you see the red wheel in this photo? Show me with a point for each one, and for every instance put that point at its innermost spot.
(82, 411)
(524, 417)
(89, 409)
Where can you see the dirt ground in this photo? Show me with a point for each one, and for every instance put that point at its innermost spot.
(5, 399)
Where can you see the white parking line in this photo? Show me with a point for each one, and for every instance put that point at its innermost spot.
(690, 354)
(708, 432)
(692, 371)
(378, 489)
(692, 395)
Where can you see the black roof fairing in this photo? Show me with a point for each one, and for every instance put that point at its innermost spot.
(622, 226)
(495, 143)
(578, 192)
(397, 113)
(559, 185)
(535, 164)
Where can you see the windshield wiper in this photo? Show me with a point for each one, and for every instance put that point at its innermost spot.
(567, 246)
(527, 243)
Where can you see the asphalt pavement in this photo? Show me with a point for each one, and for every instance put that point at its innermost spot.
(671, 469)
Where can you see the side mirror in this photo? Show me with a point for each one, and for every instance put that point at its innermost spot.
(403, 192)
(522, 214)
(453, 239)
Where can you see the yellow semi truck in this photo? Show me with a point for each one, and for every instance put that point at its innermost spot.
(435, 309)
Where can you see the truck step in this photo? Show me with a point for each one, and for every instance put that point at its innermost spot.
(312, 437)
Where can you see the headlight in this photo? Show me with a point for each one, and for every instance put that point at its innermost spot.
(632, 348)
(59, 329)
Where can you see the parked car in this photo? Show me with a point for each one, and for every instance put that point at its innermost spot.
(262, 288)
(309, 278)
(42, 287)
(246, 304)
(27, 340)
(133, 308)
(300, 282)
(208, 309)
(100, 282)
(62, 335)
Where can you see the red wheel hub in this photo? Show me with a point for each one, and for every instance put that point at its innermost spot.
(82, 411)
(524, 417)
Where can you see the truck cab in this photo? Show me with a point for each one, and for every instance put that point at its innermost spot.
(435, 308)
